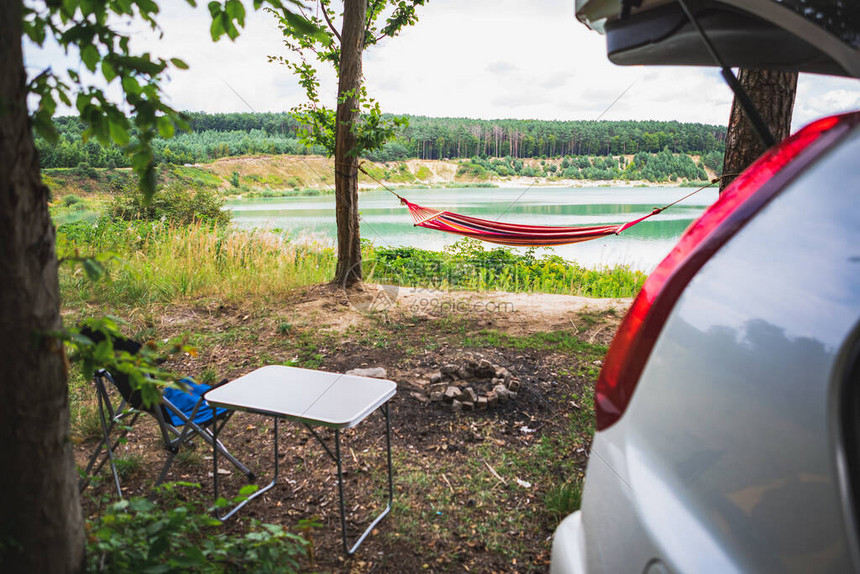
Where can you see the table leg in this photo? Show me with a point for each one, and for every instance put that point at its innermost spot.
(346, 547)
(257, 493)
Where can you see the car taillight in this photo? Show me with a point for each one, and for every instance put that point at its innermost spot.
(736, 205)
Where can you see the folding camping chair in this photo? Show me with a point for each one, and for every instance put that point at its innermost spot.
(181, 415)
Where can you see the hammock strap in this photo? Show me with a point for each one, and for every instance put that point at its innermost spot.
(362, 170)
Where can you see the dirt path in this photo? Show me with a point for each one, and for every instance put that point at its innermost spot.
(513, 313)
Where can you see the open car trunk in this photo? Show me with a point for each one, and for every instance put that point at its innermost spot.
(819, 36)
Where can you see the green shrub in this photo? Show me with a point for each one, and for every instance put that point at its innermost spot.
(70, 200)
(471, 169)
(173, 205)
(424, 173)
(468, 265)
(137, 536)
(85, 170)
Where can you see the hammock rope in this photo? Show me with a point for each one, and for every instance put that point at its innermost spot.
(511, 233)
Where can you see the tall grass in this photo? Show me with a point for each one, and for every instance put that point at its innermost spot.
(161, 263)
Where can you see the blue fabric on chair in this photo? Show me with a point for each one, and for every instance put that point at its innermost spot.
(185, 400)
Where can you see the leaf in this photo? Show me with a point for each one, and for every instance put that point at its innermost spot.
(248, 490)
(69, 7)
(148, 181)
(179, 63)
(90, 57)
(142, 64)
(216, 30)
(303, 26)
(232, 31)
(147, 6)
(93, 268)
(79, 339)
(235, 11)
(191, 556)
(118, 133)
(165, 127)
(108, 71)
(214, 9)
(130, 85)
(88, 6)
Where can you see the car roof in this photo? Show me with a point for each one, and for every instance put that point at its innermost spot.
(820, 36)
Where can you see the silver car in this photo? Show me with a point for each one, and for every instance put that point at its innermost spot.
(728, 408)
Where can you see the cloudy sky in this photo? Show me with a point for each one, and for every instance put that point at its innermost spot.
(465, 58)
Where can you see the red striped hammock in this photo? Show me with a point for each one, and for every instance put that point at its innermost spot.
(511, 233)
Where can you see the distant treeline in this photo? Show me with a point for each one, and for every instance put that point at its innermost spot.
(219, 135)
(663, 166)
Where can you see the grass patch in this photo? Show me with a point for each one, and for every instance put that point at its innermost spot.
(694, 184)
(423, 173)
(541, 341)
(463, 185)
(197, 176)
(294, 192)
(85, 422)
(468, 265)
(128, 465)
(164, 263)
(564, 499)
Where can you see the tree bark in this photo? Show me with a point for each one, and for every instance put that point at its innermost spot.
(348, 270)
(41, 527)
(773, 94)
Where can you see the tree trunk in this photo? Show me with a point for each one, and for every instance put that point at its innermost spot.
(348, 270)
(41, 527)
(773, 93)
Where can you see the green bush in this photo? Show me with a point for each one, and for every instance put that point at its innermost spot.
(137, 536)
(85, 170)
(173, 205)
(70, 200)
(468, 265)
(471, 169)
(424, 173)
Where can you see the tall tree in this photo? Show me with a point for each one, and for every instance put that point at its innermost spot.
(773, 93)
(41, 526)
(39, 486)
(348, 269)
(357, 125)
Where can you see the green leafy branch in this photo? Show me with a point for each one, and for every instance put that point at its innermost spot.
(89, 27)
(136, 535)
(373, 128)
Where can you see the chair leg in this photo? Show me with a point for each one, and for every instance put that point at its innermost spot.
(171, 454)
(208, 436)
(92, 467)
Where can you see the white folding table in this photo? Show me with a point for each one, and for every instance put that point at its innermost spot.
(312, 398)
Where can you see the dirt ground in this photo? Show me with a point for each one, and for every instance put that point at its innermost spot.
(473, 491)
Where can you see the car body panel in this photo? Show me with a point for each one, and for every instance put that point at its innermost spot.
(727, 458)
(570, 558)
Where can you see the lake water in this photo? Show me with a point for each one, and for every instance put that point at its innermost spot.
(385, 222)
